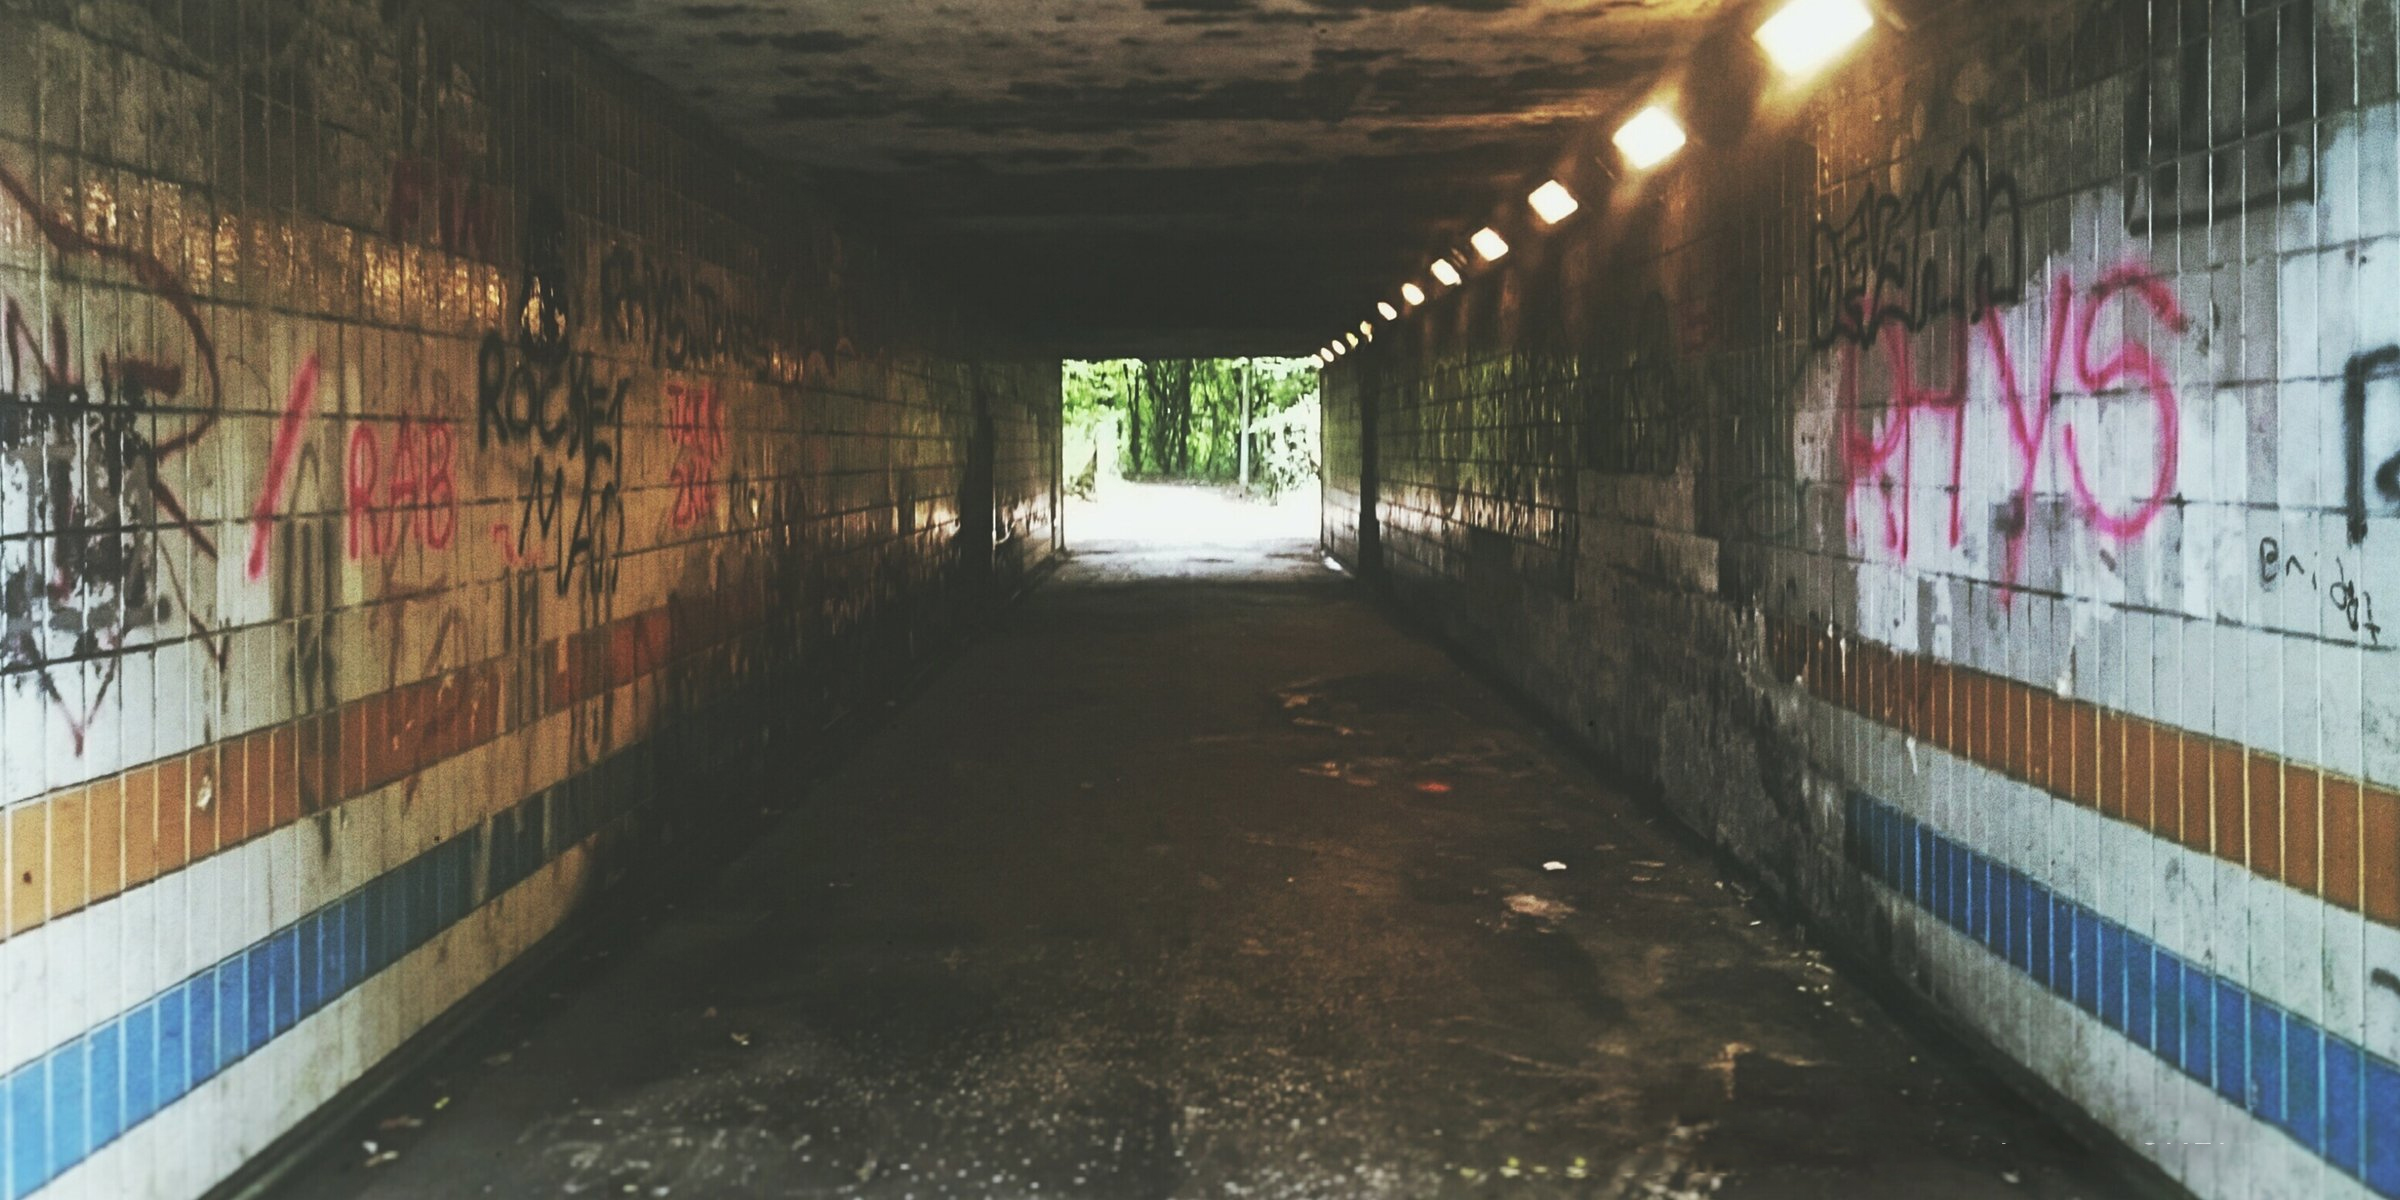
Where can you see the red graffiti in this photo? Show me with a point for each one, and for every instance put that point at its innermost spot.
(696, 423)
(296, 406)
(438, 199)
(419, 500)
(507, 541)
(1867, 454)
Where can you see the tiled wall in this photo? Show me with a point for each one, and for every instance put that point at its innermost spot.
(422, 452)
(1961, 484)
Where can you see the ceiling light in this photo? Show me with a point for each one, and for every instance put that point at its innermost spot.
(1552, 202)
(1489, 244)
(1412, 293)
(1353, 340)
(1366, 329)
(1339, 348)
(1443, 271)
(1650, 138)
(1807, 34)
(1385, 307)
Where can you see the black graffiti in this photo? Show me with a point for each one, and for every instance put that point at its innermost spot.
(2355, 604)
(1642, 411)
(1952, 246)
(680, 322)
(571, 412)
(2360, 373)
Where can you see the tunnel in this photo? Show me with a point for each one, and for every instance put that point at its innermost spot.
(551, 642)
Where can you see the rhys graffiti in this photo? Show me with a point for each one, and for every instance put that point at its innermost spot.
(2358, 377)
(1880, 458)
(1953, 245)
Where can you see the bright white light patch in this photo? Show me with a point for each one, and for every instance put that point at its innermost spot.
(1353, 340)
(1650, 138)
(1339, 348)
(1489, 244)
(1807, 34)
(1552, 202)
(1443, 271)
(1385, 307)
(1366, 329)
(1412, 293)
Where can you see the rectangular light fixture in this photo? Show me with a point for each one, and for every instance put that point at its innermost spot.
(1552, 202)
(1340, 349)
(1488, 243)
(1807, 34)
(1650, 138)
(1448, 274)
(1385, 307)
(1412, 293)
(1366, 329)
(1353, 340)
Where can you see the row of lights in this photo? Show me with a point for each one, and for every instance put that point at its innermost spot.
(1800, 39)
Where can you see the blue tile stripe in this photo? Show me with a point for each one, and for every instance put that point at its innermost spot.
(2325, 1092)
(61, 1108)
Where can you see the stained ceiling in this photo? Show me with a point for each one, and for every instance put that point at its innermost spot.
(1161, 176)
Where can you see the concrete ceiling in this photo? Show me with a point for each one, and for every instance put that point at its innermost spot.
(1162, 176)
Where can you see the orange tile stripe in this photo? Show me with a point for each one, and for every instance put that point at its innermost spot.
(2331, 836)
(60, 848)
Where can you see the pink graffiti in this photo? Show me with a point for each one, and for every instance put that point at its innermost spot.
(296, 407)
(1867, 454)
(696, 424)
(438, 197)
(507, 541)
(420, 499)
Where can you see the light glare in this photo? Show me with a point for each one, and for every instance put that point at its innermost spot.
(1488, 243)
(1385, 307)
(1807, 34)
(1339, 348)
(1443, 271)
(1412, 293)
(1650, 138)
(1552, 202)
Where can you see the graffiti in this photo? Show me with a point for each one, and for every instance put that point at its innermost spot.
(86, 439)
(1870, 456)
(1642, 413)
(2198, 154)
(2362, 373)
(418, 500)
(537, 392)
(1952, 246)
(572, 415)
(680, 322)
(296, 407)
(2355, 605)
(696, 424)
(435, 199)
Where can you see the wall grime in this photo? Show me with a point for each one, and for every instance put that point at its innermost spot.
(1977, 524)
(417, 446)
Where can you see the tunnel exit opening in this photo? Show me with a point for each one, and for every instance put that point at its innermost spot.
(1191, 452)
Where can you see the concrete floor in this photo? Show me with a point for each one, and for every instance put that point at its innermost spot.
(1200, 878)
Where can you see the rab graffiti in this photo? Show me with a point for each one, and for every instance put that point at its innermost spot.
(411, 492)
(1953, 246)
(1870, 456)
(696, 424)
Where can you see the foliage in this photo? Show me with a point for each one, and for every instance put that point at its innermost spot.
(1181, 418)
